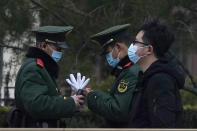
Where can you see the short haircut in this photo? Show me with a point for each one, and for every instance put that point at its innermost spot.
(126, 39)
(158, 35)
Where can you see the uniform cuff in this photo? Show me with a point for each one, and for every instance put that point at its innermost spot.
(92, 99)
(70, 101)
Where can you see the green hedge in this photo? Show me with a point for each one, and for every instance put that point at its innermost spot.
(3, 113)
(88, 119)
(190, 116)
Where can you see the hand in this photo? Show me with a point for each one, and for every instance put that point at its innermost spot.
(73, 92)
(79, 100)
(86, 91)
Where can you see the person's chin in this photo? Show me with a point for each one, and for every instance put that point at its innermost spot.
(139, 62)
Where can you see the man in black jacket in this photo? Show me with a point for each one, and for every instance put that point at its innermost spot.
(156, 101)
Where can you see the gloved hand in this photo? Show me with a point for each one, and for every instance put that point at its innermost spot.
(79, 84)
(72, 82)
(81, 81)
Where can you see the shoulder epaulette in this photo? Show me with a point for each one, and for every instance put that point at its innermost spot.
(40, 62)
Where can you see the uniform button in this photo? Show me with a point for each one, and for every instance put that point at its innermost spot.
(64, 98)
(94, 97)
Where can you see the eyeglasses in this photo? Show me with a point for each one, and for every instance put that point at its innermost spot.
(135, 41)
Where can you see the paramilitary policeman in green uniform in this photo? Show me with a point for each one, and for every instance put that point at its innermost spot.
(36, 92)
(115, 105)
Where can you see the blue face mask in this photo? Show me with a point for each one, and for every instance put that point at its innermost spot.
(56, 55)
(111, 61)
(132, 53)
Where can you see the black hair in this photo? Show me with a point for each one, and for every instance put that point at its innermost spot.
(124, 38)
(158, 35)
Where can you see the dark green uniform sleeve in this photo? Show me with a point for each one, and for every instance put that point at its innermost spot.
(39, 103)
(114, 106)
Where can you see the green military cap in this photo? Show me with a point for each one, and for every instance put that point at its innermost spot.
(53, 34)
(109, 35)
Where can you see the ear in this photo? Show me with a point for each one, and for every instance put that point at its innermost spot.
(150, 49)
(43, 45)
(118, 45)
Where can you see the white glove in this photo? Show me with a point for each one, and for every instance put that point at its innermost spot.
(71, 85)
(85, 83)
(79, 80)
(72, 82)
(80, 83)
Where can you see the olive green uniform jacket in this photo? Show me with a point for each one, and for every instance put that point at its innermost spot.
(115, 105)
(36, 91)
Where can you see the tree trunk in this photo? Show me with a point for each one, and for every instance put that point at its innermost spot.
(98, 67)
(1, 70)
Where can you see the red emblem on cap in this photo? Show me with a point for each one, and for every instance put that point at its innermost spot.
(40, 63)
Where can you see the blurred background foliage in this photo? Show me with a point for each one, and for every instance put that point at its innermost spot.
(18, 17)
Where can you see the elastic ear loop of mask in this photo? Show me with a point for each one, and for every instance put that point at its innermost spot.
(142, 47)
(50, 47)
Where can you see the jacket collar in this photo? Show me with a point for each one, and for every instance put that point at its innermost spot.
(50, 65)
(123, 64)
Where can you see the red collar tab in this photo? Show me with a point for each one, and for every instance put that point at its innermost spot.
(40, 62)
(128, 64)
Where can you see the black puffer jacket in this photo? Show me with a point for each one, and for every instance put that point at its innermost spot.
(156, 101)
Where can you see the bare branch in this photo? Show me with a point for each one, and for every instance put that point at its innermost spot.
(13, 47)
(187, 27)
(51, 12)
(192, 10)
(185, 70)
(97, 8)
(78, 53)
(73, 8)
(190, 89)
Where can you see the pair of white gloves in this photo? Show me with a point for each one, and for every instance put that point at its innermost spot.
(79, 83)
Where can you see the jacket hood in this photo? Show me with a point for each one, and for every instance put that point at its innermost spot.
(167, 65)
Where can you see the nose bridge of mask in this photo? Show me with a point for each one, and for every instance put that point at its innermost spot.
(134, 48)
